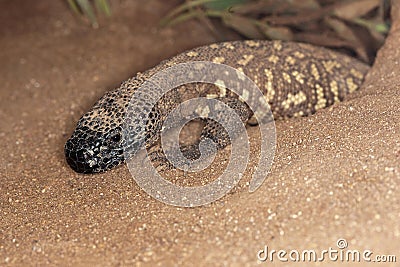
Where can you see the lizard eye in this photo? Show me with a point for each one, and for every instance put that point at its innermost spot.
(116, 138)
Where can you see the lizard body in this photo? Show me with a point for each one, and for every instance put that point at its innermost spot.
(296, 80)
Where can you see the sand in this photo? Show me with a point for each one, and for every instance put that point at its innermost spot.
(335, 175)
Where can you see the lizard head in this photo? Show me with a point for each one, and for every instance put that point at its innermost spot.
(97, 145)
(100, 142)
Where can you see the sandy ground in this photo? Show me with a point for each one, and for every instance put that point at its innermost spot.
(336, 174)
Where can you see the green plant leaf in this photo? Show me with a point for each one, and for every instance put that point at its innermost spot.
(87, 10)
(103, 6)
(223, 4)
(243, 25)
(73, 6)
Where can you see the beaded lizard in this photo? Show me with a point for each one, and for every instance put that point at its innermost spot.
(296, 79)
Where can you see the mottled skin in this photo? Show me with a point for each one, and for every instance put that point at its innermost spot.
(296, 80)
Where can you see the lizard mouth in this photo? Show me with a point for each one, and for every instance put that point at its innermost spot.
(80, 160)
(77, 165)
(89, 159)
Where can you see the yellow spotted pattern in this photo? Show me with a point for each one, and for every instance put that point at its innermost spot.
(294, 79)
(286, 77)
(335, 90)
(315, 72)
(290, 60)
(273, 58)
(192, 54)
(351, 84)
(294, 99)
(246, 59)
(321, 100)
(219, 60)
